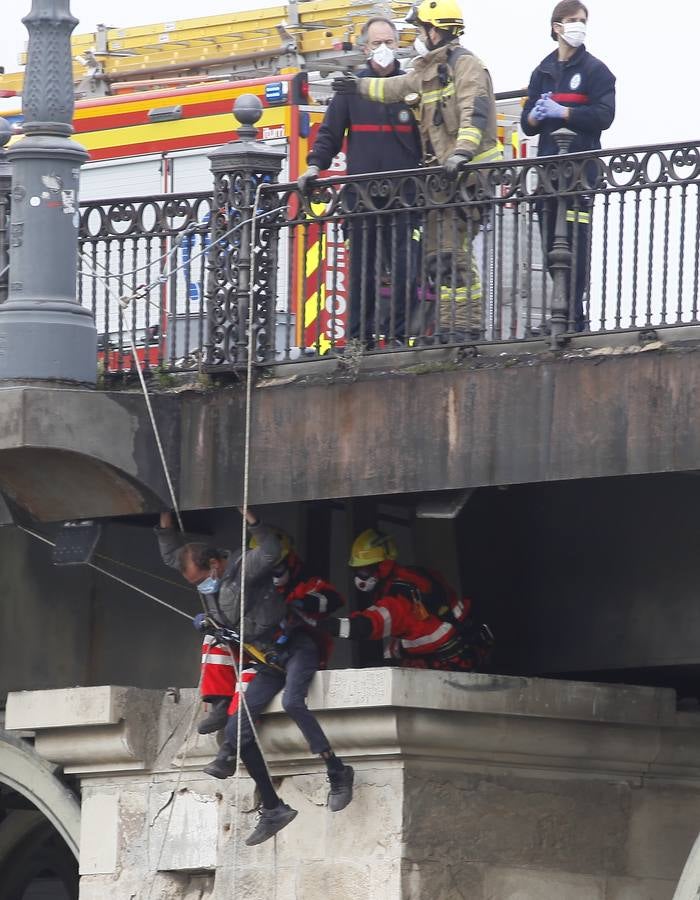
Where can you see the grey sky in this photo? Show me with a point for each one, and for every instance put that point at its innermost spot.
(651, 54)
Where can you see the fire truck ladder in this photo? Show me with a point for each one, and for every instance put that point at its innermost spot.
(307, 35)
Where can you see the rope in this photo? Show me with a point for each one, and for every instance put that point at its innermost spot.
(141, 292)
(191, 229)
(244, 539)
(45, 540)
(149, 407)
(176, 791)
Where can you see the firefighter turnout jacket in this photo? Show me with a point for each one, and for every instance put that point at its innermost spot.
(421, 619)
(583, 84)
(308, 600)
(379, 138)
(457, 108)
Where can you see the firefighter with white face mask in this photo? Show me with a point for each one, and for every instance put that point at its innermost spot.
(570, 89)
(457, 113)
(420, 618)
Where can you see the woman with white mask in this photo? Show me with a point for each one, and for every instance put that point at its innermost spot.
(570, 89)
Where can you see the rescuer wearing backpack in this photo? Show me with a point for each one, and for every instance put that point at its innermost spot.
(453, 94)
(420, 618)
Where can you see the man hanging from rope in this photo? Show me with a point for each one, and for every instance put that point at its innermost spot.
(217, 576)
(300, 650)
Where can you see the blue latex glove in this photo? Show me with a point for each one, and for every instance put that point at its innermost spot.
(199, 622)
(546, 108)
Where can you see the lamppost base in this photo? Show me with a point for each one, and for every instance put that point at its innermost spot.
(45, 342)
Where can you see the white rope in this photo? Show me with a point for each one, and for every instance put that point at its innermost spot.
(244, 537)
(191, 229)
(176, 790)
(92, 565)
(149, 407)
(243, 705)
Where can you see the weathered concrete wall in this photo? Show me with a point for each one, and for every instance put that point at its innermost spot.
(481, 422)
(466, 787)
(484, 422)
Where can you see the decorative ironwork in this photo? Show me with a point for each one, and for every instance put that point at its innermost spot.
(636, 262)
(142, 273)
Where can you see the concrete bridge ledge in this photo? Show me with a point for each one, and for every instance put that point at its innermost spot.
(520, 789)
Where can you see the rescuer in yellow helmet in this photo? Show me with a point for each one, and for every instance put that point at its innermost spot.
(452, 92)
(421, 619)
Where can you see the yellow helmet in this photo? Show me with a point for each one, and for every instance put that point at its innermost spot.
(371, 547)
(285, 543)
(444, 14)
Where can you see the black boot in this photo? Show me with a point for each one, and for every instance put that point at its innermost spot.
(224, 765)
(218, 715)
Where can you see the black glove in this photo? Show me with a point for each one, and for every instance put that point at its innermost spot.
(455, 162)
(330, 625)
(345, 84)
(305, 180)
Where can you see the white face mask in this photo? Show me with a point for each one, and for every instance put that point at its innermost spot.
(574, 33)
(366, 585)
(383, 56)
(420, 47)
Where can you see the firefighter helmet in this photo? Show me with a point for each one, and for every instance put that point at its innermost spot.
(284, 539)
(371, 547)
(443, 14)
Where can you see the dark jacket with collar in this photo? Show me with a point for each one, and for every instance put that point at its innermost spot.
(264, 607)
(582, 83)
(381, 137)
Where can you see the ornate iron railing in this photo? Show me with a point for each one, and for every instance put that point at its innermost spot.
(142, 271)
(509, 251)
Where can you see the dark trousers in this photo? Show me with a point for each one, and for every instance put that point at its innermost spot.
(383, 260)
(301, 667)
(578, 216)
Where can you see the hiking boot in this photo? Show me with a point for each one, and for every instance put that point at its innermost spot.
(341, 783)
(270, 822)
(217, 718)
(224, 765)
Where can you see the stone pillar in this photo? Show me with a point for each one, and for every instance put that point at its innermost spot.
(239, 167)
(44, 333)
(5, 187)
(474, 786)
(559, 258)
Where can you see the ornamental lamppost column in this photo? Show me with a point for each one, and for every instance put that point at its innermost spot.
(44, 333)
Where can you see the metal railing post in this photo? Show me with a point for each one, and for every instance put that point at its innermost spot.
(5, 188)
(559, 257)
(235, 265)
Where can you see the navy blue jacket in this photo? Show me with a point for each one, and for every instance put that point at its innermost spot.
(381, 137)
(586, 86)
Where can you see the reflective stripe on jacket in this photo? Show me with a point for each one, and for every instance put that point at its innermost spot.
(457, 106)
